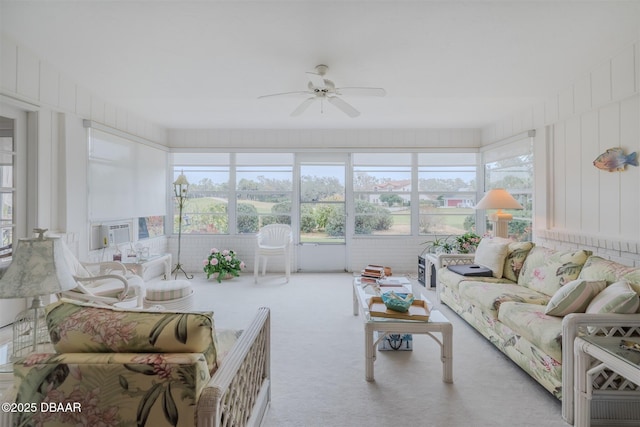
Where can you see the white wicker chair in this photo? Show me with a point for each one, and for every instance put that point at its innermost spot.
(273, 240)
(105, 283)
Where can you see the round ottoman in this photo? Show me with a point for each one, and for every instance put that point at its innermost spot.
(171, 294)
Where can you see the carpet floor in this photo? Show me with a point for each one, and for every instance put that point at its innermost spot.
(317, 362)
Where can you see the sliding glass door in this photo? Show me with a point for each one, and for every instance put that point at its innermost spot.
(322, 212)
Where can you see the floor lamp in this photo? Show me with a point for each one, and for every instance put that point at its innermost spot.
(181, 191)
(499, 199)
(38, 267)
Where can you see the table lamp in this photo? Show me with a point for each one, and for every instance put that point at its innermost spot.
(499, 199)
(38, 268)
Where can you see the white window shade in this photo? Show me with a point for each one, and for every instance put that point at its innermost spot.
(517, 148)
(127, 179)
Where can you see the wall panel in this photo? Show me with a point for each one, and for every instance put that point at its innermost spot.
(565, 103)
(582, 94)
(572, 175)
(8, 65)
(67, 95)
(630, 179)
(623, 73)
(49, 84)
(590, 176)
(28, 70)
(551, 110)
(601, 84)
(559, 177)
(609, 136)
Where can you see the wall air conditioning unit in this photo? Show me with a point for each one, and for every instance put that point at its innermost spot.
(115, 234)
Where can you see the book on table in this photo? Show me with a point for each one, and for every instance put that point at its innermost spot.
(374, 271)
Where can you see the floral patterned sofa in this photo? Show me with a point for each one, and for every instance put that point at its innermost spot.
(116, 367)
(537, 304)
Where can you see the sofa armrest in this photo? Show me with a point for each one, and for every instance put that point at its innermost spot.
(576, 324)
(240, 390)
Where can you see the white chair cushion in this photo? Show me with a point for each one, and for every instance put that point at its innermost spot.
(167, 290)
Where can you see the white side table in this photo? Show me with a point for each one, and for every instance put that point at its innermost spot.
(152, 267)
(442, 260)
(592, 355)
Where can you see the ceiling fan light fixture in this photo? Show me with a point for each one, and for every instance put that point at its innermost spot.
(319, 88)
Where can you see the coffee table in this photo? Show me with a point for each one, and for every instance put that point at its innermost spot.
(437, 323)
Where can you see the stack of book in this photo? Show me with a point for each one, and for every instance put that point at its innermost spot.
(373, 271)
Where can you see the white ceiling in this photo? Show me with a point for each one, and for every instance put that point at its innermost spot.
(188, 64)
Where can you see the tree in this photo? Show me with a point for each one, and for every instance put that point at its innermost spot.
(247, 218)
(391, 199)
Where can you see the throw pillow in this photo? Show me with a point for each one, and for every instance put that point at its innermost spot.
(77, 327)
(491, 253)
(514, 261)
(618, 298)
(574, 297)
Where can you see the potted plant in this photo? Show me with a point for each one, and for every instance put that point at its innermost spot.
(439, 245)
(224, 263)
(467, 243)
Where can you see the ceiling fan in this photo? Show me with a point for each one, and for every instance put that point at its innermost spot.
(321, 89)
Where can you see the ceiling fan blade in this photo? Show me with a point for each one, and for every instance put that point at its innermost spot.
(300, 92)
(316, 80)
(361, 91)
(302, 107)
(344, 106)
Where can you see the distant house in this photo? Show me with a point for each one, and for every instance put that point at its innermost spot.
(402, 185)
(456, 201)
(392, 186)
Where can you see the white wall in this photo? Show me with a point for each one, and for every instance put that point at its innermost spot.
(323, 139)
(576, 204)
(58, 140)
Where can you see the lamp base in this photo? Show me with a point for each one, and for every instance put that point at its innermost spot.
(30, 334)
(500, 221)
(178, 268)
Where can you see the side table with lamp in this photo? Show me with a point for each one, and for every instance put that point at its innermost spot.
(38, 268)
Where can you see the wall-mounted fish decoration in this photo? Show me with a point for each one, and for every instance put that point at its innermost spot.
(614, 159)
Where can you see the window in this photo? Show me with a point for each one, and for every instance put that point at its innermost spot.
(264, 186)
(382, 193)
(7, 188)
(207, 208)
(515, 174)
(447, 192)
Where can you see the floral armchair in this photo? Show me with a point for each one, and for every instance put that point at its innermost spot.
(146, 368)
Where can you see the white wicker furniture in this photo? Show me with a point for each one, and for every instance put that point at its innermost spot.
(611, 325)
(595, 356)
(241, 389)
(273, 240)
(437, 323)
(239, 392)
(442, 260)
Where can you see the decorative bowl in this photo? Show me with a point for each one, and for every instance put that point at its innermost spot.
(397, 301)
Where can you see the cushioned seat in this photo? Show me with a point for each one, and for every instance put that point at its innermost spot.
(530, 322)
(171, 294)
(489, 296)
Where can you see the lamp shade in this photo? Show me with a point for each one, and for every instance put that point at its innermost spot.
(498, 198)
(38, 267)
